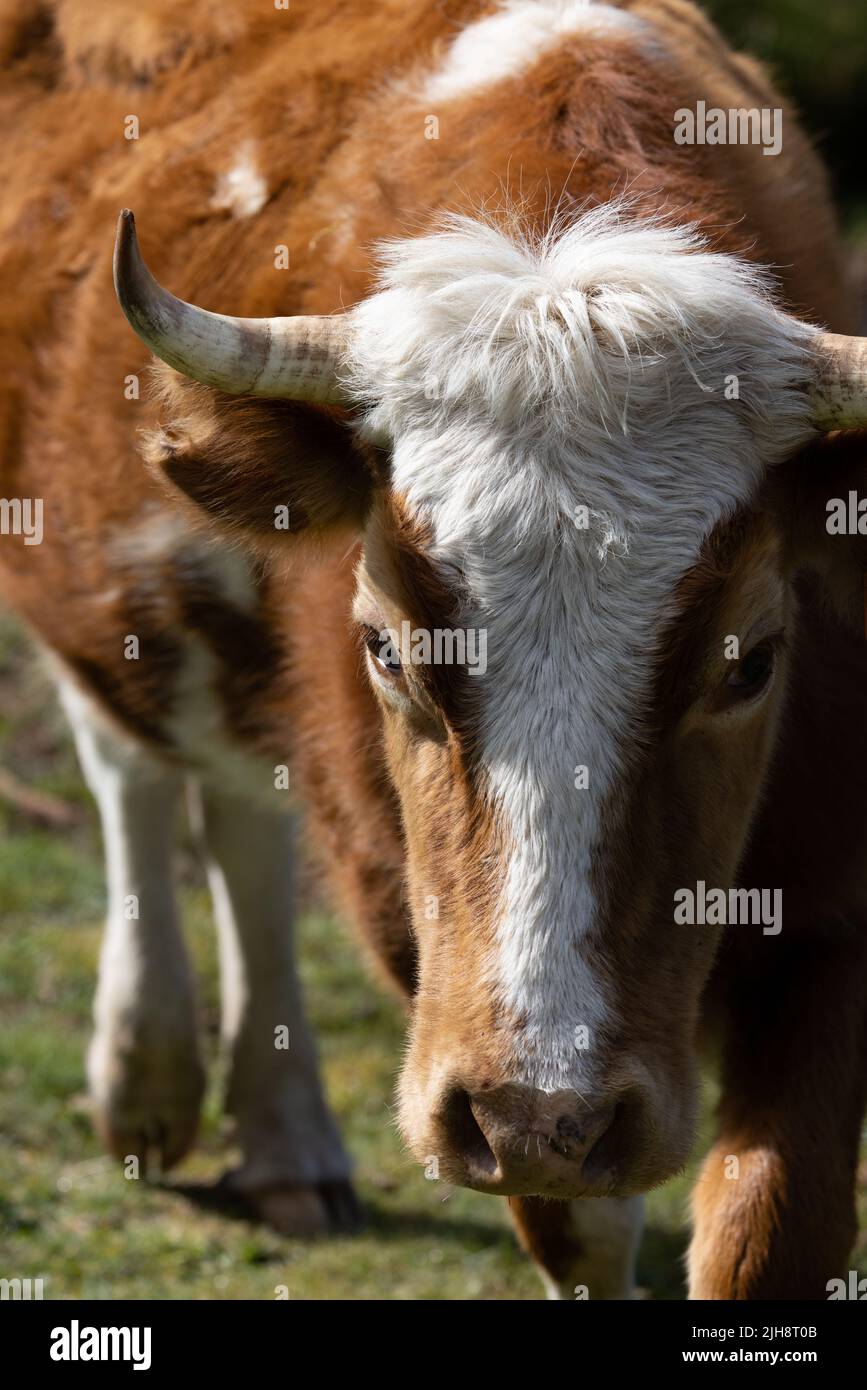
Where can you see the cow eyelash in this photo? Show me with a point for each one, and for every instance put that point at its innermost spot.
(373, 642)
(754, 671)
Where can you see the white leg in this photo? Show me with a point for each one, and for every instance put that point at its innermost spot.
(605, 1233)
(295, 1170)
(144, 1068)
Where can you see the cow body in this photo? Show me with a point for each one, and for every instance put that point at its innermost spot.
(274, 152)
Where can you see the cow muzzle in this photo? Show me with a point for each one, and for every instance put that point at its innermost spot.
(513, 1140)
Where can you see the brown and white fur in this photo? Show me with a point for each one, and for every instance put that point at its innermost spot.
(447, 497)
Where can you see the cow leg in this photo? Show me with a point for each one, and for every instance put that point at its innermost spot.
(144, 1068)
(294, 1171)
(774, 1207)
(582, 1249)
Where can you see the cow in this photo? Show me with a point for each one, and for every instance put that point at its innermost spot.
(455, 337)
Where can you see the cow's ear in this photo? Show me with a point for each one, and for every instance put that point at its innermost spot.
(817, 495)
(272, 472)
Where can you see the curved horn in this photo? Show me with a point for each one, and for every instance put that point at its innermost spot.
(839, 389)
(295, 357)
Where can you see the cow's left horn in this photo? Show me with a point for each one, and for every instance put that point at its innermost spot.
(298, 358)
(840, 385)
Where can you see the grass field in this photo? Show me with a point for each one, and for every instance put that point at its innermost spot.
(69, 1216)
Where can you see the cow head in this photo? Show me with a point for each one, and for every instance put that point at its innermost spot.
(575, 603)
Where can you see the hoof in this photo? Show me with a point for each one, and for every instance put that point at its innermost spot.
(146, 1101)
(306, 1210)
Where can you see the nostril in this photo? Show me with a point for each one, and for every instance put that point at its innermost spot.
(569, 1129)
(464, 1135)
(601, 1158)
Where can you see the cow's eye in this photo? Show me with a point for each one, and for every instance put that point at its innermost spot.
(752, 672)
(383, 650)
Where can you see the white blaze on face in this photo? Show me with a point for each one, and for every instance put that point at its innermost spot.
(508, 42)
(519, 385)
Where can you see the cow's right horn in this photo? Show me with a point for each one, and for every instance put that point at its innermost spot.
(297, 358)
(839, 389)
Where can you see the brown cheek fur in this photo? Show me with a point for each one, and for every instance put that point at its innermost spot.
(681, 815)
(455, 852)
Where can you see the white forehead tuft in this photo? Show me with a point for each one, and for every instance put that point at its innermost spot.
(520, 383)
(511, 40)
(584, 326)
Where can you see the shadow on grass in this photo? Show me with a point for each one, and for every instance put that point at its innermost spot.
(218, 1198)
(661, 1265)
